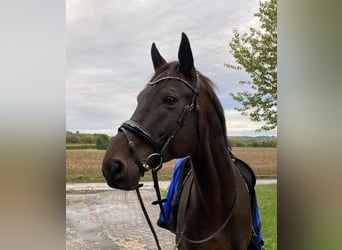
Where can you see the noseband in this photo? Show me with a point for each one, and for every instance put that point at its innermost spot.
(154, 161)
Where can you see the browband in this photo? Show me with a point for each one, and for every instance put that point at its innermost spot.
(195, 90)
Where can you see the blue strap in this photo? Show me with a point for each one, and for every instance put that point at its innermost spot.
(172, 191)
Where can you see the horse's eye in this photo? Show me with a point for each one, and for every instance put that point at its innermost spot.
(169, 100)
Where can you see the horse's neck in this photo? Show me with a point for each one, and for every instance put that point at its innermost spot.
(213, 175)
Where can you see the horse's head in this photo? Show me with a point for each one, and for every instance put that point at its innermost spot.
(164, 125)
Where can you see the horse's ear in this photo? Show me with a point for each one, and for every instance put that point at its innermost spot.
(157, 59)
(186, 60)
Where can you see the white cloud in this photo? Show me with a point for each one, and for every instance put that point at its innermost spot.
(238, 124)
(108, 52)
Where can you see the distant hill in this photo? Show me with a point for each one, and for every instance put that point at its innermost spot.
(252, 141)
(101, 141)
(253, 138)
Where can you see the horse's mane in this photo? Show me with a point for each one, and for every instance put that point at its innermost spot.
(217, 104)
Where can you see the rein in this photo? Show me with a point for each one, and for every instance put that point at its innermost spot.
(154, 161)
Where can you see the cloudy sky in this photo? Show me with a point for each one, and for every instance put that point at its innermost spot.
(109, 62)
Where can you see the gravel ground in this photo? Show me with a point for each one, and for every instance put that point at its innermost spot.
(98, 217)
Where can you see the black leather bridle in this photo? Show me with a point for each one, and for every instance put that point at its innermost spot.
(154, 161)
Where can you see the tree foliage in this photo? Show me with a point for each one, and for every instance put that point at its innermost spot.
(102, 141)
(86, 141)
(256, 52)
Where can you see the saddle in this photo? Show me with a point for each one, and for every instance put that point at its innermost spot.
(184, 175)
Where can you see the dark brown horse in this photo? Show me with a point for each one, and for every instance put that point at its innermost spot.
(179, 114)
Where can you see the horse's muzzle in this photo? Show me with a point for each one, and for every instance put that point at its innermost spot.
(117, 175)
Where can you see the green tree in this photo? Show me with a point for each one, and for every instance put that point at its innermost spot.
(87, 139)
(72, 138)
(102, 141)
(256, 52)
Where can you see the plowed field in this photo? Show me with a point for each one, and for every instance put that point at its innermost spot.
(88, 162)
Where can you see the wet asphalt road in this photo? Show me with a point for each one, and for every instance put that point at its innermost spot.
(98, 217)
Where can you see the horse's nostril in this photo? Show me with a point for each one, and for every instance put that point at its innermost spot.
(115, 167)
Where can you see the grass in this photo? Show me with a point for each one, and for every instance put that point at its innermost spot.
(267, 202)
(85, 178)
(79, 146)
